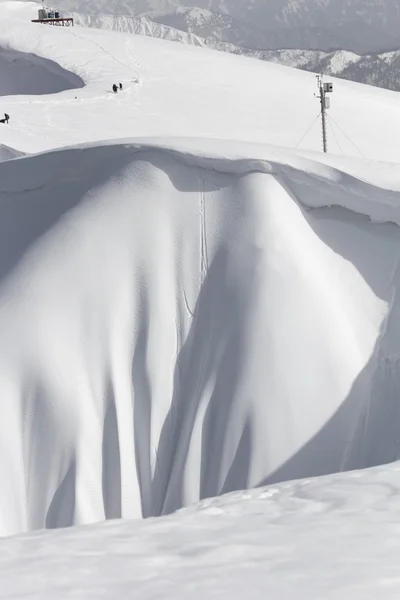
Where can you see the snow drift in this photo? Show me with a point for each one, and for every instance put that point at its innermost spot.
(26, 73)
(177, 327)
(7, 153)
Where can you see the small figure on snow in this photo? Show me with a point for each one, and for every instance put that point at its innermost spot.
(120, 86)
(6, 118)
(115, 89)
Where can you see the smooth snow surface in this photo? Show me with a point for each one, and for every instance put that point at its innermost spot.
(332, 538)
(150, 316)
(197, 312)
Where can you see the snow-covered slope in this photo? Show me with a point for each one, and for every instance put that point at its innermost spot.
(373, 69)
(355, 25)
(172, 90)
(197, 312)
(332, 538)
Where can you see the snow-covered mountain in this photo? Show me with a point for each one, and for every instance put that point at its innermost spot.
(356, 25)
(373, 69)
(139, 26)
(173, 309)
(194, 300)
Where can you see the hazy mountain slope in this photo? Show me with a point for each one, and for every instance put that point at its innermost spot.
(373, 69)
(139, 26)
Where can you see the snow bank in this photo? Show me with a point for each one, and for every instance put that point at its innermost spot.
(24, 73)
(174, 329)
(334, 538)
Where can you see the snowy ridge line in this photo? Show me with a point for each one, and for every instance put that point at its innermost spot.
(310, 183)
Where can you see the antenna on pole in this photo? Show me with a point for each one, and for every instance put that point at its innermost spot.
(324, 88)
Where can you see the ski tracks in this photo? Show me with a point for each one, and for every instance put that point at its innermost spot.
(203, 248)
(131, 55)
(204, 264)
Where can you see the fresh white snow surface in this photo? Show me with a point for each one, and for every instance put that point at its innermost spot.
(171, 91)
(332, 538)
(190, 305)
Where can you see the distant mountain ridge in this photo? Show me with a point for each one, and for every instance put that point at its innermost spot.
(361, 26)
(379, 69)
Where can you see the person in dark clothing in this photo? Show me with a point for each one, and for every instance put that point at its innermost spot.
(7, 117)
(120, 86)
(115, 89)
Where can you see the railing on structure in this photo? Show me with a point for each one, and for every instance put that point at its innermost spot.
(61, 21)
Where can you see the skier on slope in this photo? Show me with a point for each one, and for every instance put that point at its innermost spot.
(115, 89)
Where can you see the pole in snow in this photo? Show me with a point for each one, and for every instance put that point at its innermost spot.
(324, 88)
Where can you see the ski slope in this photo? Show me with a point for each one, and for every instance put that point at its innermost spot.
(194, 300)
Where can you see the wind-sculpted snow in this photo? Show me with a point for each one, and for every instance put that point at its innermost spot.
(176, 327)
(24, 73)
